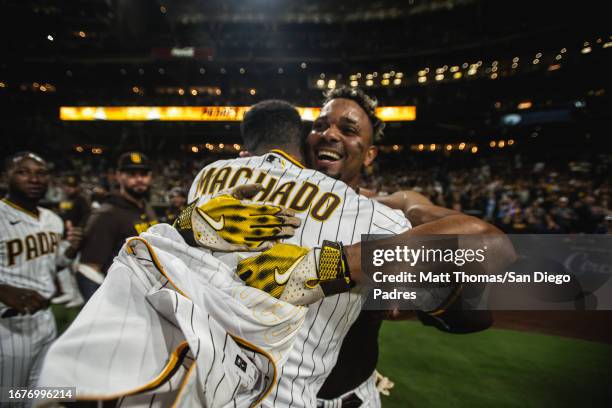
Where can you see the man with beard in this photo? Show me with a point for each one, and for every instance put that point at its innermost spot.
(31, 251)
(337, 147)
(124, 214)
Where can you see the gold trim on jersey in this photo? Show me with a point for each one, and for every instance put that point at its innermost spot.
(183, 385)
(256, 349)
(451, 299)
(238, 340)
(155, 261)
(288, 157)
(174, 362)
(19, 208)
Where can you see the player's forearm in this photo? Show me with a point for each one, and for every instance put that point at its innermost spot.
(500, 249)
(416, 207)
(420, 214)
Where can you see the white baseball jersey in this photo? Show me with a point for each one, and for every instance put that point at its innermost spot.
(173, 325)
(329, 210)
(29, 247)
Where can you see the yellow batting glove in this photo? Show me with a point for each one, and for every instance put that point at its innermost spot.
(296, 274)
(227, 222)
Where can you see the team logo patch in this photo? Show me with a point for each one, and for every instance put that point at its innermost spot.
(241, 364)
(135, 158)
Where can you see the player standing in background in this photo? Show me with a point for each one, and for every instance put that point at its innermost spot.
(178, 201)
(31, 251)
(332, 150)
(75, 207)
(124, 214)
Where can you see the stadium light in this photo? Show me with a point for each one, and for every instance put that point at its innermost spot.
(525, 105)
(202, 113)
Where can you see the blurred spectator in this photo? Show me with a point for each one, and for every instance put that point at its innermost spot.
(178, 199)
(75, 207)
(125, 213)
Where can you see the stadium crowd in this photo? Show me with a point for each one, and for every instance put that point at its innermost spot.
(517, 195)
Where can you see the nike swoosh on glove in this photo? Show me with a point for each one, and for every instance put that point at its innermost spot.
(298, 275)
(228, 222)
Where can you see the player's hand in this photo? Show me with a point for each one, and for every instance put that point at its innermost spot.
(296, 274)
(25, 301)
(384, 384)
(229, 222)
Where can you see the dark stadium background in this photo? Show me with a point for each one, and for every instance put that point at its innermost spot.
(534, 74)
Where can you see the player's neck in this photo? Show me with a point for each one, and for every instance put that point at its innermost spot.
(23, 202)
(354, 183)
(291, 151)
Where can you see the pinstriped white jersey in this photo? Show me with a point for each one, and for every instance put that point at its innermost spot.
(329, 210)
(29, 247)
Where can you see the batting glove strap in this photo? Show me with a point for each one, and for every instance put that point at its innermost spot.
(333, 273)
(183, 224)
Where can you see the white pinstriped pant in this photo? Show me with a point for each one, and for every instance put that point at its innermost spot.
(24, 341)
(367, 392)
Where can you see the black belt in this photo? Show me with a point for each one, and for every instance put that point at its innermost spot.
(349, 401)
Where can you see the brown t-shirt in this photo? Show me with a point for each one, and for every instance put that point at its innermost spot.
(108, 227)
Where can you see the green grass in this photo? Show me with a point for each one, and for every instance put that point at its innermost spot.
(64, 316)
(494, 368)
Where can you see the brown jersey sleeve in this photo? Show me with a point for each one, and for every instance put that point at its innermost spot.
(99, 238)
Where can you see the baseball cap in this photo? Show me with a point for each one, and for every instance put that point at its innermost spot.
(177, 191)
(133, 161)
(72, 180)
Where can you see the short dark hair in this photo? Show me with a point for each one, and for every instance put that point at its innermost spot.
(271, 123)
(12, 159)
(366, 102)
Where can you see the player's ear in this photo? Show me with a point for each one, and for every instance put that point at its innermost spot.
(370, 155)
